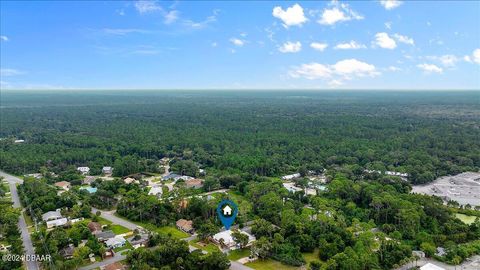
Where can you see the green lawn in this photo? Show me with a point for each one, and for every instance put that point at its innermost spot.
(103, 221)
(466, 219)
(311, 256)
(118, 229)
(208, 248)
(176, 233)
(126, 246)
(173, 231)
(269, 264)
(238, 254)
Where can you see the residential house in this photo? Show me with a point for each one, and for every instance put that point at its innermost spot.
(291, 176)
(185, 225)
(291, 187)
(88, 180)
(67, 252)
(63, 185)
(52, 215)
(108, 254)
(194, 183)
(115, 242)
(34, 175)
(156, 191)
(139, 240)
(107, 170)
(75, 220)
(83, 170)
(130, 180)
(225, 239)
(114, 266)
(418, 253)
(57, 223)
(94, 227)
(171, 176)
(431, 266)
(54, 219)
(19, 141)
(104, 235)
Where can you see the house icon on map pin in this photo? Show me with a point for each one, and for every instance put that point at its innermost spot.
(227, 210)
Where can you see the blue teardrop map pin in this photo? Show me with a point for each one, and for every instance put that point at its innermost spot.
(227, 212)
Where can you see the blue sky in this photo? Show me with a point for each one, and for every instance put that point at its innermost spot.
(256, 45)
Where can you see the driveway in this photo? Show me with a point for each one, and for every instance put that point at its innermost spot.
(22, 225)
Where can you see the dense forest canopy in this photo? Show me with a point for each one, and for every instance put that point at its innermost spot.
(267, 133)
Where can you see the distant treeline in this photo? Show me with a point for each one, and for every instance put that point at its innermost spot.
(266, 133)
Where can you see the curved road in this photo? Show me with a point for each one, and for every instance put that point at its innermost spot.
(22, 225)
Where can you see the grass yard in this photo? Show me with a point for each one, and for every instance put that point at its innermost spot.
(311, 256)
(176, 233)
(269, 264)
(173, 231)
(125, 247)
(118, 229)
(208, 248)
(466, 219)
(238, 254)
(103, 221)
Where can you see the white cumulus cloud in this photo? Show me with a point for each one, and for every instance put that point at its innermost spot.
(354, 67)
(290, 47)
(342, 70)
(404, 39)
(383, 40)
(476, 56)
(237, 42)
(319, 46)
(171, 16)
(293, 15)
(312, 71)
(390, 4)
(7, 72)
(430, 68)
(338, 13)
(352, 45)
(4, 38)
(146, 6)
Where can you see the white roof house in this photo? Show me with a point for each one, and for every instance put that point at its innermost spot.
(56, 222)
(52, 215)
(228, 239)
(83, 170)
(291, 187)
(115, 242)
(107, 170)
(431, 266)
(291, 176)
(19, 141)
(156, 191)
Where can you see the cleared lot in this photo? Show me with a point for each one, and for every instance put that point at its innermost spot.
(463, 188)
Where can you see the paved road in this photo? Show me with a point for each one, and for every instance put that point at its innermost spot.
(110, 215)
(22, 225)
